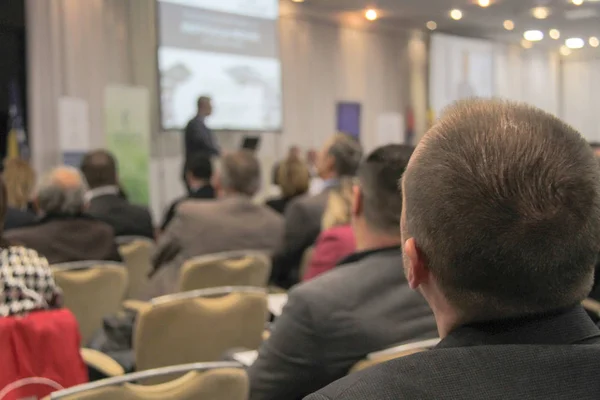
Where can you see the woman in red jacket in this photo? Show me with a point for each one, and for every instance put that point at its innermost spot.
(336, 240)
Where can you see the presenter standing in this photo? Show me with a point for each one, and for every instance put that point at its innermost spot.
(198, 137)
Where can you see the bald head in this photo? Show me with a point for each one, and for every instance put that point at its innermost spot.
(99, 168)
(503, 201)
(62, 191)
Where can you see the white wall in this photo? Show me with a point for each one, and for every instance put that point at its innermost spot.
(77, 48)
(581, 88)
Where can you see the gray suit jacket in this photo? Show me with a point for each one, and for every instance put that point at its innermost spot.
(199, 138)
(335, 320)
(202, 227)
(302, 227)
(542, 357)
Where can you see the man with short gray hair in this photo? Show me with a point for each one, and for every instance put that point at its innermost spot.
(232, 222)
(64, 233)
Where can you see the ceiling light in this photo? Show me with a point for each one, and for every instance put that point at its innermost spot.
(484, 3)
(574, 43)
(431, 25)
(371, 14)
(540, 12)
(526, 44)
(577, 2)
(509, 25)
(554, 34)
(533, 36)
(594, 42)
(565, 51)
(456, 14)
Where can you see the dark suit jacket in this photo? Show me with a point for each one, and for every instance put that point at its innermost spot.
(205, 192)
(279, 204)
(546, 357)
(68, 238)
(16, 218)
(126, 219)
(302, 227)
(335, 320)
(199, 138)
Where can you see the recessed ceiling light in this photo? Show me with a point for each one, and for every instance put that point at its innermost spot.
(509, 25)
(526, 44)
(574, 43)
(484, 3)
(456, 14)
(594, 42)
(533, 36)
(554, 34)
(577, 2)
(371, 14)
(565, 51)
(431, 25)
(540, 12)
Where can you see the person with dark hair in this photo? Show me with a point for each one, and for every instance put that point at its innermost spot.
(107, 201)
(500, 230)
(198, 174)
(231, 222)
(361, 306)
(339, 157)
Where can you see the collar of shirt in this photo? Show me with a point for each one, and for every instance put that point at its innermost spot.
(101, 191)
(359, 255)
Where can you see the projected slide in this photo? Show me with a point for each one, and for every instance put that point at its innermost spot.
(459, 68)
(225, 49)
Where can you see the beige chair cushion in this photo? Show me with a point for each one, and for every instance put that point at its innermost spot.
(219, 384)
(252, 269)
(137, 257)
(91, 294)
(198, 329)
(305, 262)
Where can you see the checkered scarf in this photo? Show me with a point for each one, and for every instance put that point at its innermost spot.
(26, 281)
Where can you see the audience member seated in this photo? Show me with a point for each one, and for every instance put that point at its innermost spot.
(501, 228)
(293, 154)
(198, 174)
(364, 305)
(20, 182)
(293, 179)
(106, 200)
(233, 222)
(339, 158)
(336, 240)
(64, 232)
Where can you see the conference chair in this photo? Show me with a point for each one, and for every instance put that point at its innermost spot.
(199, 326)
(92, 290)
(201, 381)
(136, 253)
(593, 309)
(235, 268)
(379, 357)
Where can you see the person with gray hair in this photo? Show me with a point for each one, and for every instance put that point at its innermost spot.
(339, 158)
(231, 222)
(63, 232)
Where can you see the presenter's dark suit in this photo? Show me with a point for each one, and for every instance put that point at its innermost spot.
(199, 138)
(334, 321)
(554, 356)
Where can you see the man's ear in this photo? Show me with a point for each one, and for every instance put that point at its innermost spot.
(417, 272)
(357, 201)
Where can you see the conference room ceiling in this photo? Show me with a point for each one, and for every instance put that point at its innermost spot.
(581, 21)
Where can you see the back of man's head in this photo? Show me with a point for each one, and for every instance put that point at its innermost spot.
(240, 173)
(503, 202)
(62, 191)
(99, 168)
(199, 166)
(378, 176)
(346, 152)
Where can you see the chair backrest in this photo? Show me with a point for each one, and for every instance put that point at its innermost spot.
(92, 290)
(393, 353)
(238, 268)
(121, 240)
(210, 381)
(199, 326)
(137, 255)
